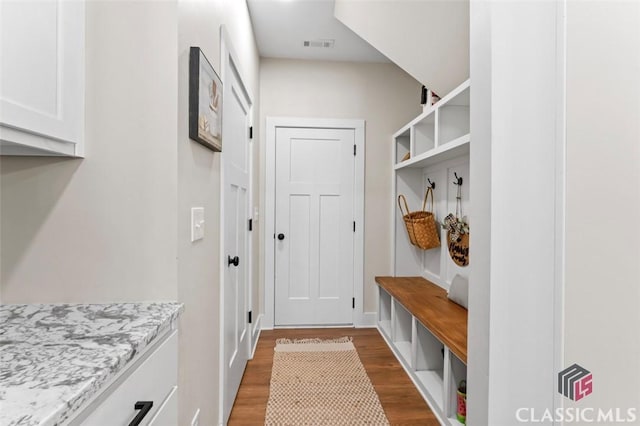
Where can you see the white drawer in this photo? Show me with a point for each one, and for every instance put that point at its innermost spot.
(154, 380)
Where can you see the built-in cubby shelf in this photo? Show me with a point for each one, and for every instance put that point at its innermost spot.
(439, 133)
(426, 331)
(424, 135)
(439, 142)
(453, 149)
(402, 141)
(428, 334)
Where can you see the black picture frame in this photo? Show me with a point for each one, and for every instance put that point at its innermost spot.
(205, 101)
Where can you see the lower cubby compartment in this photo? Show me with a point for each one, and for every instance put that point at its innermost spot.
(429, 364)
(457, 372)
(384, 312)
(385, 326)
(404, 349)
(432, 382)
(402, 331)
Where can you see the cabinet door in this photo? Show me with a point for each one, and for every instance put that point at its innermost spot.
(42, 75)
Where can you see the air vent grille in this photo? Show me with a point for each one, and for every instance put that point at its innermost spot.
(319, 43)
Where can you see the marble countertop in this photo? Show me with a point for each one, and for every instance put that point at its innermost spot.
(53, 358)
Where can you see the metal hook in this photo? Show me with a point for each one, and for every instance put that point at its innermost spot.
(458, 179)
(431, 184)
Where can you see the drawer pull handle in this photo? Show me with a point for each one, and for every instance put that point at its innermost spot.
(144, 407)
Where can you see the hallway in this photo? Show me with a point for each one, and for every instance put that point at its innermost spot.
(399, 398)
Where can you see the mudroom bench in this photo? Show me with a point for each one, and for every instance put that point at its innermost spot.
(428, 334)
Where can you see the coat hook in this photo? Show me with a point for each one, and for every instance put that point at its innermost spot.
(431, 184)
(458, 179)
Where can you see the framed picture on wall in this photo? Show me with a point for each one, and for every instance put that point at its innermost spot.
(205, 101)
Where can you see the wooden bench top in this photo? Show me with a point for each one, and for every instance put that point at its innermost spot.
(429, 304)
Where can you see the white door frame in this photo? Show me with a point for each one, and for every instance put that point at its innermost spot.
(272, 123)
(228, 59)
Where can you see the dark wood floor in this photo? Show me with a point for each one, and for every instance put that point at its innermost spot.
(400, 400)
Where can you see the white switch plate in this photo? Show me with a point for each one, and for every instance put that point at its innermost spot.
(197, 223)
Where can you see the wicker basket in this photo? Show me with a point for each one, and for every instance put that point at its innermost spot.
(421, 225)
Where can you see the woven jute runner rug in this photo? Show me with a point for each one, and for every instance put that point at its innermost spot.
(321, 382)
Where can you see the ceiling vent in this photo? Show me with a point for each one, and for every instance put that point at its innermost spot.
(319, 43)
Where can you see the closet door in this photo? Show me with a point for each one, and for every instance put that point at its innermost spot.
(314, 241)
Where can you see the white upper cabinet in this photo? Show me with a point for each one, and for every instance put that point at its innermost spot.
(42, 77)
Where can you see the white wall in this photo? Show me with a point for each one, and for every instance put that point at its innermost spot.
(480, 190)
(383, 95)
(563, 193)
(428, 39)
(199, 186)
(103, 228)
(513, 355)
(524, 42)
(602, 291)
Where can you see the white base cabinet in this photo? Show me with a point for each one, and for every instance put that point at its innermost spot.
(152, 378)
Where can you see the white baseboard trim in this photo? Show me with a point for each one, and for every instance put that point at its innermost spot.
(368, 320)
(268, 322)
(293, 327)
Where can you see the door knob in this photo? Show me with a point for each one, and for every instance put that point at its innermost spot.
(281, 237)
(235, 261)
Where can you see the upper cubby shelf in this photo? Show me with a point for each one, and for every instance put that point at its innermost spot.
(439, 133)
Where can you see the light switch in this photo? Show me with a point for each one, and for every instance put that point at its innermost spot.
(197, 223)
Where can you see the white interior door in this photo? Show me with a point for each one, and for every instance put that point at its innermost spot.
(314, 226)
(235, 156)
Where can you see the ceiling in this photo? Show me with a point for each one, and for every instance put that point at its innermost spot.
(282, 26)
(429, 39)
